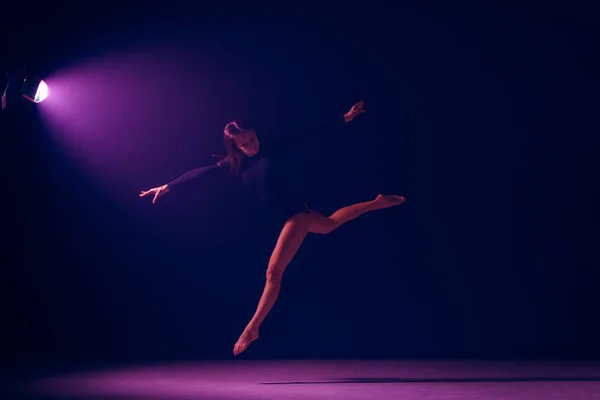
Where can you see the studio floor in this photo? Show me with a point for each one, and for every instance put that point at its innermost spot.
(298, 380)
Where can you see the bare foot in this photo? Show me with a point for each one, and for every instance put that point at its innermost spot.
(247, 337)
(384, 201)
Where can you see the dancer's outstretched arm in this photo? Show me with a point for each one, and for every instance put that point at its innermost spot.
(340, 120)
(289, 137)
(183, 180)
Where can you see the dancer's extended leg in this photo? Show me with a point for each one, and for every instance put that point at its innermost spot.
(323, 225)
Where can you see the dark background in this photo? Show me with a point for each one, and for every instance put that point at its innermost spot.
(485, 117)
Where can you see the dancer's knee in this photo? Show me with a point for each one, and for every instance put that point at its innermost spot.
(274, 274)
(321, 224)
(327, 225)
(291, 237)
(331, 224)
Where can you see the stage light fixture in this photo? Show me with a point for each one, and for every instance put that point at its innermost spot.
(34, 89)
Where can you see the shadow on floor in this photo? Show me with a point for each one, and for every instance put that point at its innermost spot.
(443, 380)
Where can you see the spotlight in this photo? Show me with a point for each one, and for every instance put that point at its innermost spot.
(34, 89)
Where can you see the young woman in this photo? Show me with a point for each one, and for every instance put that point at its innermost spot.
(255, 159)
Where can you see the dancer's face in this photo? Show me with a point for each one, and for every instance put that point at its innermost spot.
(247, 141)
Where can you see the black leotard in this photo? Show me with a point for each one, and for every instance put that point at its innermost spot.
(262, 174)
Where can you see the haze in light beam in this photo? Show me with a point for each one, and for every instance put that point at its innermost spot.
(130, 116)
